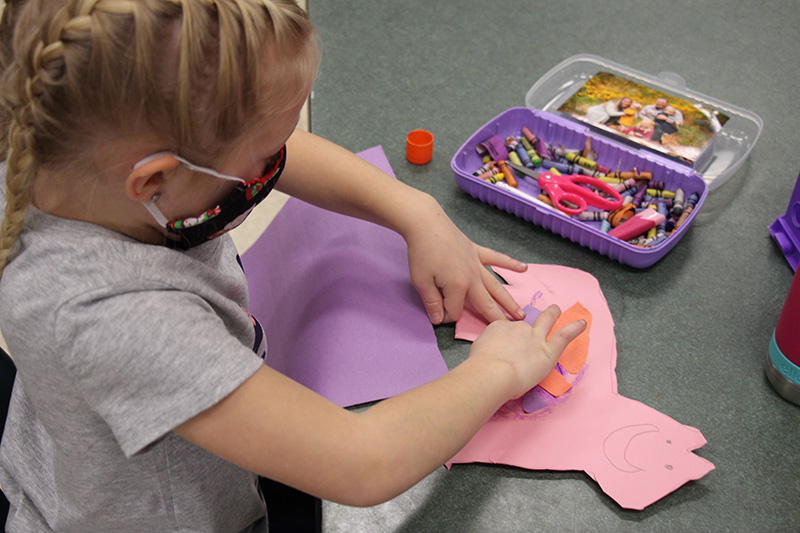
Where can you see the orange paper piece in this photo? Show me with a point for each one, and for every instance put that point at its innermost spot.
(574, 356)
(555, 384)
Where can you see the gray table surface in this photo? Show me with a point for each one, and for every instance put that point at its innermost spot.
(692, 331)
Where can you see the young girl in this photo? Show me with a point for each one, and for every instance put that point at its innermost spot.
(139, 132)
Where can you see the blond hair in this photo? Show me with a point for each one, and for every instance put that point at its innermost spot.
(189, 73)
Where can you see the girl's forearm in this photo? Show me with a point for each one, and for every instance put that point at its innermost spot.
(329, 176)
(277, 428)
(407, 437)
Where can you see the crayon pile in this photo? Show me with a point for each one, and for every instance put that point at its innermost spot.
(649, 214)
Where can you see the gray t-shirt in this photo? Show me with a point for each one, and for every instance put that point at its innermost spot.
(116, 343)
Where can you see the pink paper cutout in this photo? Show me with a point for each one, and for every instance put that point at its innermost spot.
(636, 454)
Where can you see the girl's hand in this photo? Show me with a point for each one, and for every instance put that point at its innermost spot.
(526, 348)
(448, 271)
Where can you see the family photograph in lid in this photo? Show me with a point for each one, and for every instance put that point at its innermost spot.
(645, 115)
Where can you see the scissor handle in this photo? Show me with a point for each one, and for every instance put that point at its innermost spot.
(554, 187)
(568, 188)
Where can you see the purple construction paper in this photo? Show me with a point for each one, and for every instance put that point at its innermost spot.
(334, 296)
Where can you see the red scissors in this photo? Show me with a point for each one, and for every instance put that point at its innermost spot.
(571, 189)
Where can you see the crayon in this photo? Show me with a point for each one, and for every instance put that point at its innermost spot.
(591, 216)
(621, 214)
(677, 205)
(655, 193)
(690, 203)
(528, 134)
(523, 156)
(508, 173)
(631, 175)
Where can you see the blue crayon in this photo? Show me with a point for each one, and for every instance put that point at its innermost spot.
(523, 156)
(561, 166)
(570, 168)
(666, 201)
(661, 207)
(662, 228)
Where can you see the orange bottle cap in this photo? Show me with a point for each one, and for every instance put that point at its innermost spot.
(419, 147)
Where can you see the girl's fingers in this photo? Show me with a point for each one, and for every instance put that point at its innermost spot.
(433, 302)
(491, 257)
(559, 339)
(497, 298)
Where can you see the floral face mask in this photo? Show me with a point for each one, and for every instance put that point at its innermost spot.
(224, 217)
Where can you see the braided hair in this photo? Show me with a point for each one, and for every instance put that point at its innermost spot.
(191, 73)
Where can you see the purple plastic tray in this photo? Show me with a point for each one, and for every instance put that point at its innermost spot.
(556, 129)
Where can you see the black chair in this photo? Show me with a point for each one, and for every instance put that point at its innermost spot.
(7, 372)
(290, 510)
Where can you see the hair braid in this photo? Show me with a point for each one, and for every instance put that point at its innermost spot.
(30, 74)
(37, 72)
(185, 72)
(19, 186)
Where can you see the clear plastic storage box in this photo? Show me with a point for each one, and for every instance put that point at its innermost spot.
(710, 165)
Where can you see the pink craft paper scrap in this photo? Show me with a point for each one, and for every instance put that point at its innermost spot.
(334, 296)
(636, 454)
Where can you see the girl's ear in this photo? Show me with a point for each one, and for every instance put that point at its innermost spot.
(148, 176)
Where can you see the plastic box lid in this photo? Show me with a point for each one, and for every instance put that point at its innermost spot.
(718, 161)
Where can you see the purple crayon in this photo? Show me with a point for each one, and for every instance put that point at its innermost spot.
(639, 196)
